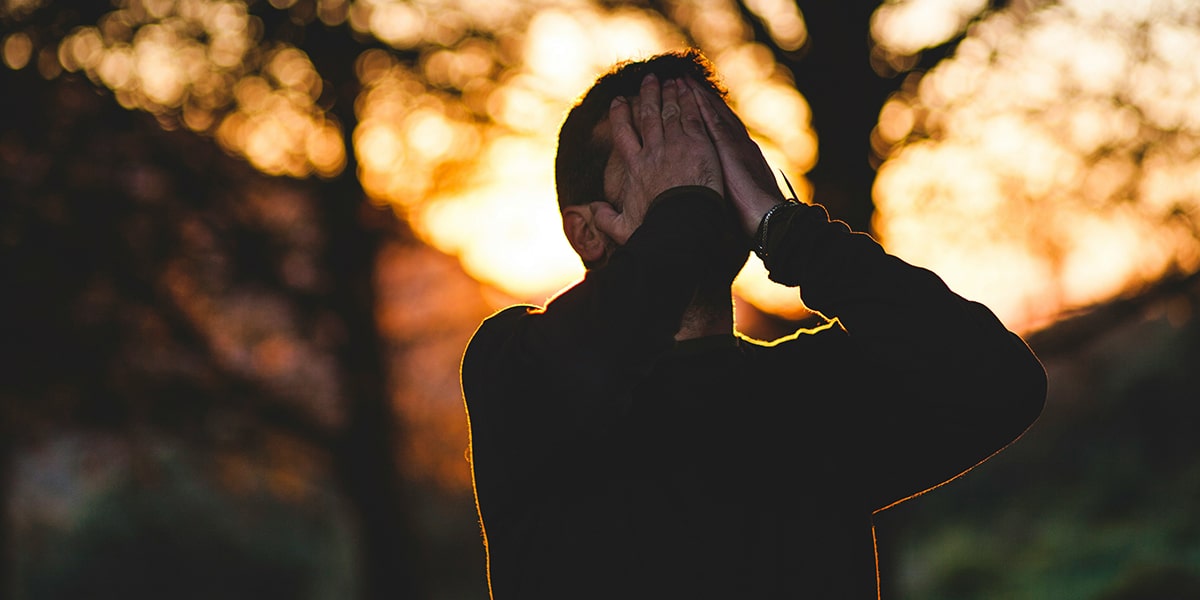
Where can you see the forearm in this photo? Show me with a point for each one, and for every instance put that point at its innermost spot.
(934, 383)
(903, 318)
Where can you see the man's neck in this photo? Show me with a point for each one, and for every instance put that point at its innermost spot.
(708, 314)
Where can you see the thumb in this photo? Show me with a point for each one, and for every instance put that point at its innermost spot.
(608, 221)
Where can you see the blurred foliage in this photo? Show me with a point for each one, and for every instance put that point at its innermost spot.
(1097, 500)
(1057, 145)
(156, 288)
(170, 527)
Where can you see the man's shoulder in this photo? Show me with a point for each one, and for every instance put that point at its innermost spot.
(492, 333)
(501, 322)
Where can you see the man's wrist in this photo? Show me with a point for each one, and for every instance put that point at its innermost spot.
(762, 233)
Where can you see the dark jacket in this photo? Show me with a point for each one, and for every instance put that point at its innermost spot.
(611, 462)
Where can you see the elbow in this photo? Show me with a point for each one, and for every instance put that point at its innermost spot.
(1025, 385)
(1038, 389)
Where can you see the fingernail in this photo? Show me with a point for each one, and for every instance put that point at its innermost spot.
(649, 78)
(617, 101)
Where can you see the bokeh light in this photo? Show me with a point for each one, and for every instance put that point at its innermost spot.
(1059, 136)
(464, 148)
(17, 49)
(197, 62)
(459, 141)
(1048, 164)
(909, 26)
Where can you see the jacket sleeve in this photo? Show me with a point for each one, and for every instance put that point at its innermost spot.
(539, 382)
(935, 383)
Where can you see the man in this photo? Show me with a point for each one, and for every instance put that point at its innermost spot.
(626, 443)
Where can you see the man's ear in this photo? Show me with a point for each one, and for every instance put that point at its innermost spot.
(589, 243)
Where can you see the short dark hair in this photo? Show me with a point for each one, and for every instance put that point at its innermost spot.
(581, 158)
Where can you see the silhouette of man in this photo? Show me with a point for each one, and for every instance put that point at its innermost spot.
(626, 443)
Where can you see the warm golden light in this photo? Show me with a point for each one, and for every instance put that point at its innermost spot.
(411, 141)
(17, 50)
(461, 141)
(18, 8)
(485, 191)
(783, 21)
(1018, 150)
(753, 286)
(505, 227)
(896, 120)
(909, 26)
(1055, 157)
(190, 58)
(396, 23)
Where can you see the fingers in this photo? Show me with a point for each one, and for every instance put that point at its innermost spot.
(690, 117)
(670, 104)
(722, 123)
(625, 137)
(650, 118)
(711, 120)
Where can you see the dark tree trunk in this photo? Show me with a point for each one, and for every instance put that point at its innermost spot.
(366, 455)
(845, 94)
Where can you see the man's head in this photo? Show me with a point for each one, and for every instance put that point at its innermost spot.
(579, 164)
(583, 152)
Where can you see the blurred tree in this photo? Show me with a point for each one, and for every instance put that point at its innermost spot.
(834, 72)
(153, 283)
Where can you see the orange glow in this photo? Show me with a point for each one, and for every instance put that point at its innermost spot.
(461, 142)
(396, 23)
(496, 210)
(1054, 152)
(191, 58)
(485, 192)
(411, 141)
(17, 50)
(783, 21)
(896, 120)
(909, 26)
(505, 227)
(18, 8)
(1056, 161)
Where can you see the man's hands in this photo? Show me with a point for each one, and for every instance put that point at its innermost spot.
(659, 142)
(749, 182)
(674, 134)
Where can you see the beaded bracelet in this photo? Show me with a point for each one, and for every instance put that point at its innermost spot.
(760, 237)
